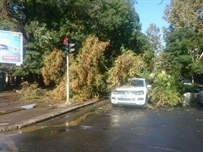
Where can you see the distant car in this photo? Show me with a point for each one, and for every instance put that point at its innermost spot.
(200, 96)
(3, 47)
(136, 92)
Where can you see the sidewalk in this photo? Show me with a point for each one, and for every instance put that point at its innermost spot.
(13, 116)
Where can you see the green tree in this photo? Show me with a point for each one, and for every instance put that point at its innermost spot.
(44, 23)
(30, 18)
(113, 24)
(184, 37)
(185, 50)
(166, 89)
(110, 20)
(145, 49)
(154, 37)
(185, 14)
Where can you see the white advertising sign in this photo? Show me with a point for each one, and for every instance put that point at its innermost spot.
(11, 47)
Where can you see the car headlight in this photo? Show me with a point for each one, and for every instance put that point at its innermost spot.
(114, 92)
(138, 92)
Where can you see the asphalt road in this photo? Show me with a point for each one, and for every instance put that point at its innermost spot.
(119, 129)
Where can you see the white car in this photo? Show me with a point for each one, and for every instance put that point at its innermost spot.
(135, 93)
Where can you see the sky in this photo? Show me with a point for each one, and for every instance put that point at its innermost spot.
(151, 11)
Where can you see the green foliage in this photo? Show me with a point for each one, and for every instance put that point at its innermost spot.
(124, 67)
(5, 21)
(166, 90)
(45, 23)
(41, 35)
(31, 91)
(144, 48)
(41, 44)
(87, 70)
(184, 50)
(110, 20)
(185, 14)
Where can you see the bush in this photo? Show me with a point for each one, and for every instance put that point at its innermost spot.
(54, 68)
(59, 92)
(166, 90)
(31, 91)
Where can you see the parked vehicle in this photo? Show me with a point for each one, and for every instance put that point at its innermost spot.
(136, 92)
(200, 96)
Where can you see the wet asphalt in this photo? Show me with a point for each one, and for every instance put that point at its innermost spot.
(103, 128)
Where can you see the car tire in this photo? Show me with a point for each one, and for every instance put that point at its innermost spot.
(144, 106)
(198, 100)
(113, 105)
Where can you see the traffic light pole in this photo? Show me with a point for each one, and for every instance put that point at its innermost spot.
(68, 80)
(69, 47)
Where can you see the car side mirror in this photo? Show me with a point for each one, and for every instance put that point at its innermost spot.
(149, 86)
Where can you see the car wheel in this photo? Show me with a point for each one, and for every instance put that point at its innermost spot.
(198, 100)
(113, 105)
(146, 101)
(145, 105)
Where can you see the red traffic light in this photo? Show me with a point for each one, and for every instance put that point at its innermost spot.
(65, 41)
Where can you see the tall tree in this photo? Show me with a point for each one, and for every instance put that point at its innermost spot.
(154, 37)
(44, 23)
(184, 36)
(184, 51)
(33, 19)
(185, 13)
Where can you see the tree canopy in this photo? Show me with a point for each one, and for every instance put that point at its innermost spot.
(154, 37)
(45, 23)
(185, 13)
(184, 38)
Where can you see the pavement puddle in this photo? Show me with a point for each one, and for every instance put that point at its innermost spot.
(86, 127)
(83, 117)
(32, 128)
(72, 123)
(80, 119)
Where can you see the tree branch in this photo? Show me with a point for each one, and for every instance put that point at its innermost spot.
(161, 2)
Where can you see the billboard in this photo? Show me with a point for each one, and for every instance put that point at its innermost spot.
(11, 47)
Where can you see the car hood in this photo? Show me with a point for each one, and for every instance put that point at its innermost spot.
(129, 88)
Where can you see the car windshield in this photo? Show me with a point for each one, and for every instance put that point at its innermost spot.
(137, 83)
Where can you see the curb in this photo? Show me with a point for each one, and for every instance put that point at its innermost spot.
(47, 116)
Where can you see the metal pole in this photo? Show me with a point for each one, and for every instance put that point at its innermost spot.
(67, 85)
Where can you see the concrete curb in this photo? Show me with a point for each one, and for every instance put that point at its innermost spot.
(47, 116)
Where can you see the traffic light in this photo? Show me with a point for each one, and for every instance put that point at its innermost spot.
(66, 46)
(71, 47)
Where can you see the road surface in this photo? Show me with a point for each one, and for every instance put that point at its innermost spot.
(102, 128)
